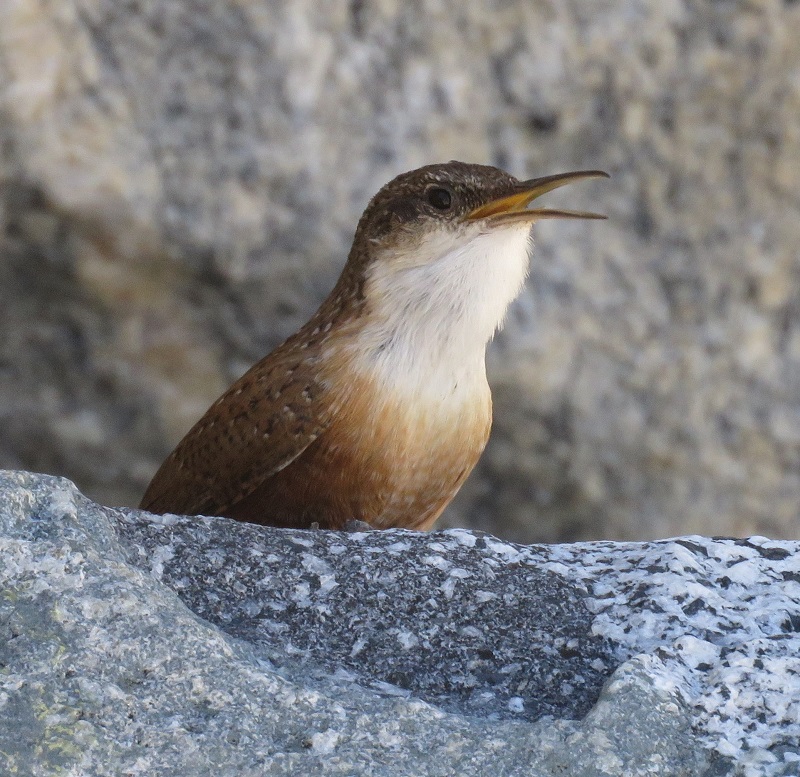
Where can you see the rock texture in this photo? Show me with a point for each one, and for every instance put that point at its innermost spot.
(179, 183)
(134, 644)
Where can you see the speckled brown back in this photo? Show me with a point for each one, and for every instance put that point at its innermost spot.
(262, 423)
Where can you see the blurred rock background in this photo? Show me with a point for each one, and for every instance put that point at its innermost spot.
(180, 181)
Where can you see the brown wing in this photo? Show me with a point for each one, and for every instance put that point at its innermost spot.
(260, 425)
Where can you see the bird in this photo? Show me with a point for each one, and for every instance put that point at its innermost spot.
(378, 408)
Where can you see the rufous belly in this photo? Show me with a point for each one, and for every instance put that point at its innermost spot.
(384, 459)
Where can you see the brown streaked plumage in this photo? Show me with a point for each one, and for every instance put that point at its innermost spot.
(378, 408)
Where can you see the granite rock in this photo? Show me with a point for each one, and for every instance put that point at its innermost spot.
(179, 183)
(135, 644)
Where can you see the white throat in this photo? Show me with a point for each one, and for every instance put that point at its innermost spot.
(434, 308)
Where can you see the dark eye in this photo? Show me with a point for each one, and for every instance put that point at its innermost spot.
(439, 198)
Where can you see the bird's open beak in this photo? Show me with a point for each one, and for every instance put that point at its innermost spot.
(514, 206)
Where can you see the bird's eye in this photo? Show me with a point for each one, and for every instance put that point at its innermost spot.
(441, 199)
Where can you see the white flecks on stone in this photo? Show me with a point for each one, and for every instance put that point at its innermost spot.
(304, 541)
(390, 690)
(302, 593)
(463, 537)
(448, 588)
(327, 583)
(252, 607)
(390, 739)
(315, 564)
(502, 548)
(440, 547)
(407, 639)
(460, 574)
(168, 519)
(744, 572)
(715, 621)
(398, 547)
(324, 742)
(358, 646)
(437, 561)
(697, 651)
(63, 501)
(159, 557)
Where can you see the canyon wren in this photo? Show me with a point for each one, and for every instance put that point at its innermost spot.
(378, 408)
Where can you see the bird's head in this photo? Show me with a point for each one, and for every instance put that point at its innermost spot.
(441, 251)
(463, 200)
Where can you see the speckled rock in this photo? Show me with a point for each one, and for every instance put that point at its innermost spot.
(134, 644)
(179, 184)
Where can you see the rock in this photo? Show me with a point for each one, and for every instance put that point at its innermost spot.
(136, 644)
(179, 184)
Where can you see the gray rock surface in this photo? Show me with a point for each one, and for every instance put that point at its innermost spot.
(179, 183)
(133, 644)
(492, 639)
